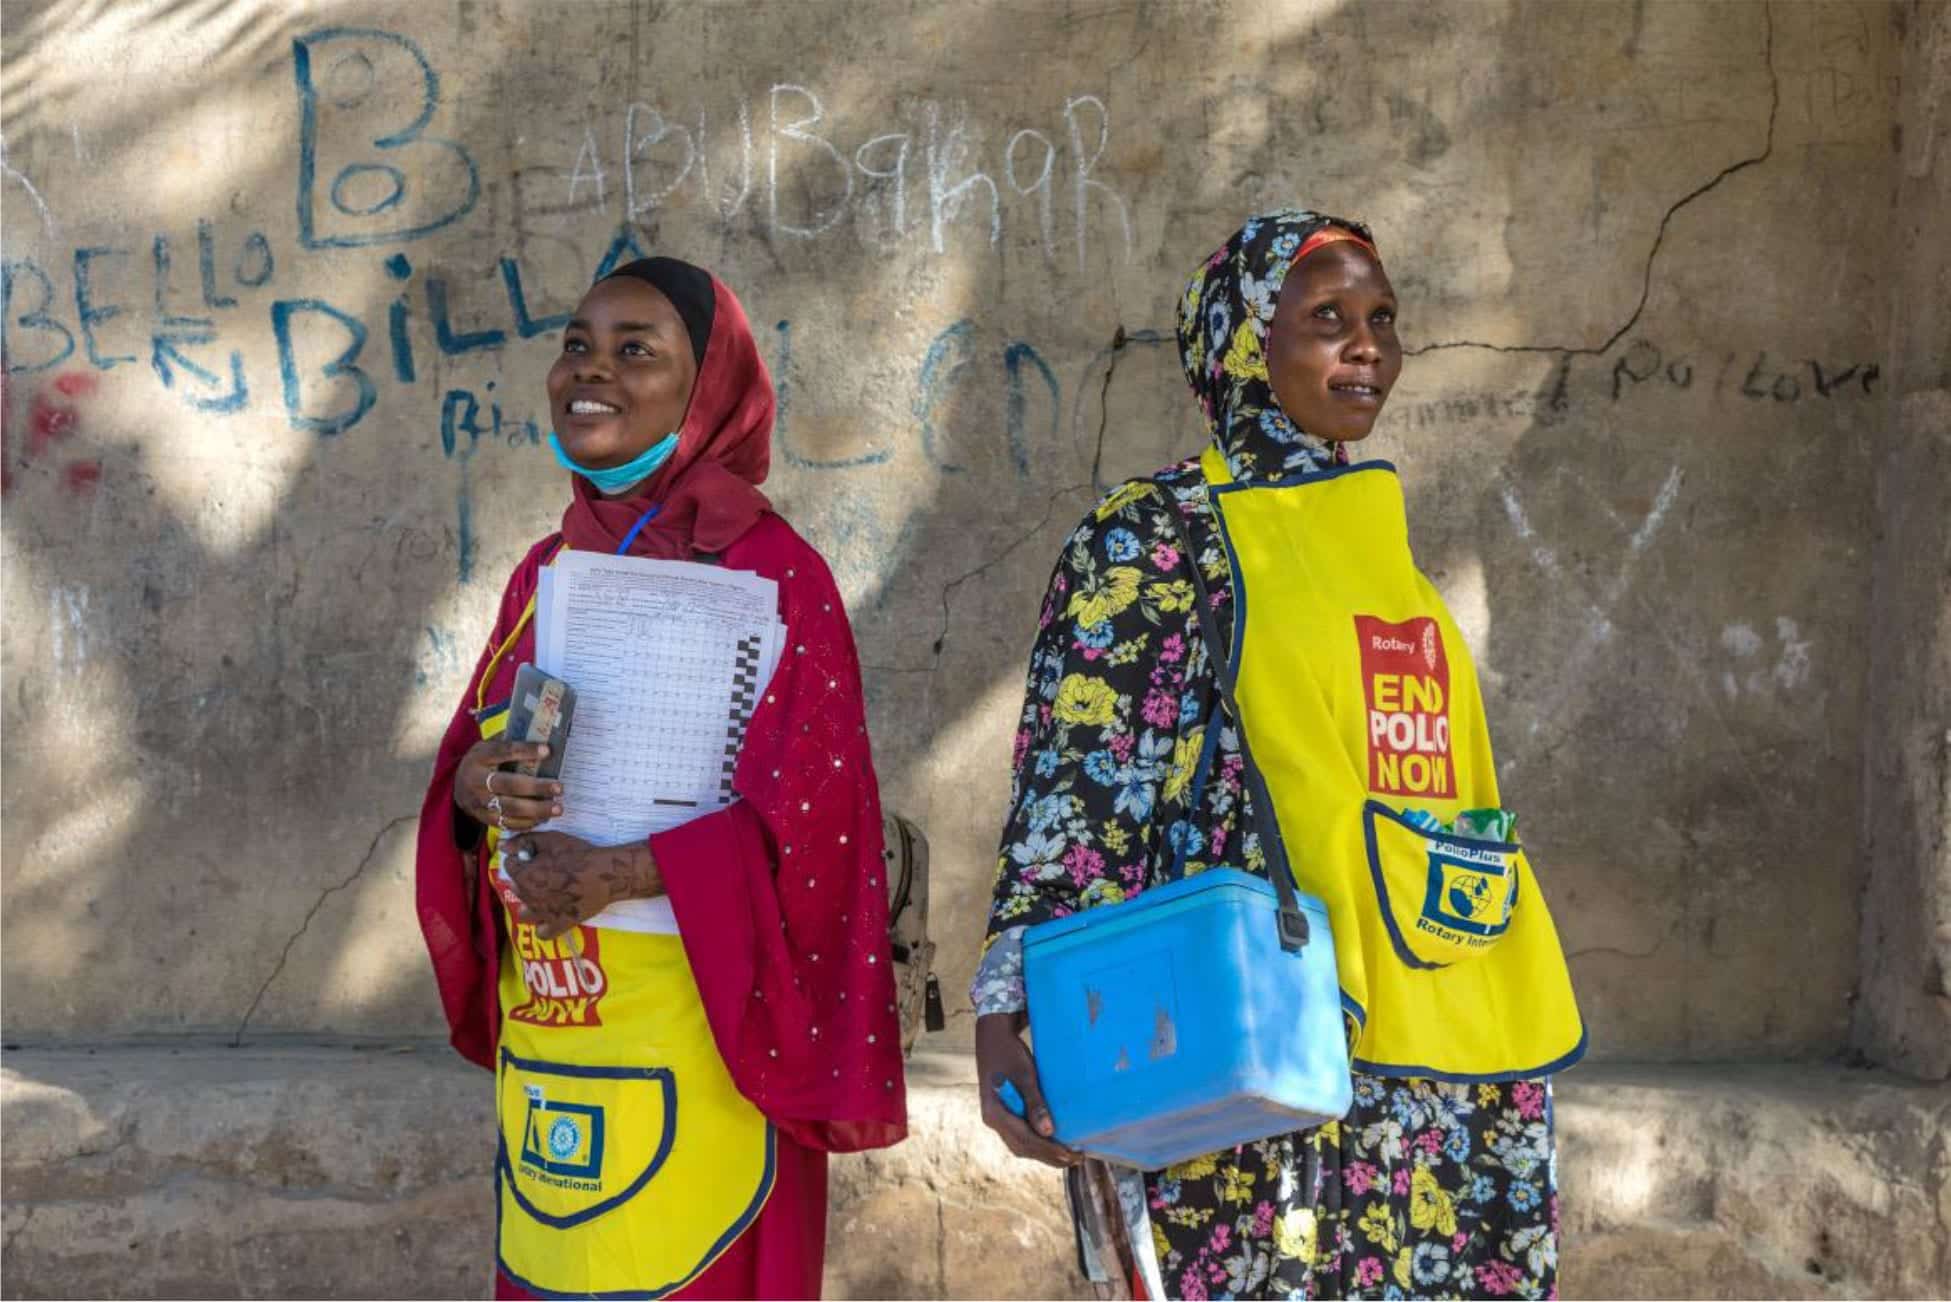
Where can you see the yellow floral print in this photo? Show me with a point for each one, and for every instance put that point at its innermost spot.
(1172, 597)
(1101, 891)
(1128, 651)
(1236, 1185)
(1378, 1226)
(1244, 360)
(1097, 602)
(1085, 700)
(1430, 1204)
(1111, 505)
(1294, 1234)
(1197, 1169)
(1185, 761)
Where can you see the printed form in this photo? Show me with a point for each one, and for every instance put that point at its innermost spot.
(668, 660)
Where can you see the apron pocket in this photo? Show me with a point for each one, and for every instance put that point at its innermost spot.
(1444, 899)
(611, 1185)
(578, 1142)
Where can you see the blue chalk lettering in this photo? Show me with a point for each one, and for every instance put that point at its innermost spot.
(166, 357)
(88, 313)
(460, 413)
(34, 319)
(409, 136)
(625, 242)
(206, 260)
(165, 319)
(398, 267)
(450, 343)
(526, 327)
(938, 371)
(782, 381)
(402, 342)
(395, 179)
(1014, 358)
(255, 246)
(282, 313)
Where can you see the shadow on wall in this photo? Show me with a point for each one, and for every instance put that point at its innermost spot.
(237, 620)
(244, 624)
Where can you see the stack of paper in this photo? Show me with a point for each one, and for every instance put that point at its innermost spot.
(668, 660)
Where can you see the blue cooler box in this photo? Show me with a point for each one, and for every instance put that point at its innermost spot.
(1175, 1025)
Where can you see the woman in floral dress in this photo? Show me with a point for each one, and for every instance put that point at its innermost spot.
(1425, 1188)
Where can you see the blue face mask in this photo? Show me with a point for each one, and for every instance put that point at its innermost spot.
(617, 478)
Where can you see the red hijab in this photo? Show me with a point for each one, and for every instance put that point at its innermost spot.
(708, 491)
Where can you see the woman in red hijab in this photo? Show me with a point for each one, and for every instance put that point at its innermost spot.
(667, 1096)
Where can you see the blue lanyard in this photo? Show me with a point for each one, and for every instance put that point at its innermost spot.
(638, 528)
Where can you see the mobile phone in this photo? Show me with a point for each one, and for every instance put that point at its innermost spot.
(540, 710)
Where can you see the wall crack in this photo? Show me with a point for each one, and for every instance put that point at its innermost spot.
(27, 1219)
(1049, 508)
(1659, 235)
(1118, 341)
(237, 1038)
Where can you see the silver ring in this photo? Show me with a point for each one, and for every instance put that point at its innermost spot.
(489, 781)
(494, 805)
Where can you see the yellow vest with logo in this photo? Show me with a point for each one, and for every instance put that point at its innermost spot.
(1360, 702)
(628, 1160)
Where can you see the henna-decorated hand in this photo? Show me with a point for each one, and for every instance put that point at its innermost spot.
(563, 880)
(496, 797)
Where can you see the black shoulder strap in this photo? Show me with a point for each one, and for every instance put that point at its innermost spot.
(1293, 923)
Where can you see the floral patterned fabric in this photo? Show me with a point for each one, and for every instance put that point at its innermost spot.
(1128, 773)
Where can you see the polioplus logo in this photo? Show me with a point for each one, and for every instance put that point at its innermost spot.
(1406, 679)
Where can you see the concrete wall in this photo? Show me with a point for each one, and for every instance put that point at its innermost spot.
(1904, 1015)
(278, 292)
(281, 1170)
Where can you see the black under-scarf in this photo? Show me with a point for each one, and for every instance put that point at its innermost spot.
(688, 288)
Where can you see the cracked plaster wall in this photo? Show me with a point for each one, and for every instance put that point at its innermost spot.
(244, 582)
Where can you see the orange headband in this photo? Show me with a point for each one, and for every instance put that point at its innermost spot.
(1331, 235)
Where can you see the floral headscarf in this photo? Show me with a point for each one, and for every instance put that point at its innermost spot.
(1224, 316)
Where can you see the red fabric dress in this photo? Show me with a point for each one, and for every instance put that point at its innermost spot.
(779, 898)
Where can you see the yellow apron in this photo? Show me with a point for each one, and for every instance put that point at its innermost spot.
(628, 1160)
(1360, 700)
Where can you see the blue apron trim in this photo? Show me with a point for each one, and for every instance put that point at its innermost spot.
(1232, 667)
(660, 1075)
(717, 1249)
(1397, 1071)
(1306, 477)
(1373, 809)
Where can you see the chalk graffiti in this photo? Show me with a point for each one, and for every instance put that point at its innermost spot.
(373, 200)
(1643, 368)
(1764, 379)
(783, 393)
(68, 627)
(1790, 667)
(935, 170)
(372, 171)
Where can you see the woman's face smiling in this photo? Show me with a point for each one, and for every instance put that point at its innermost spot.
(1332, 351)
(624, 377)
